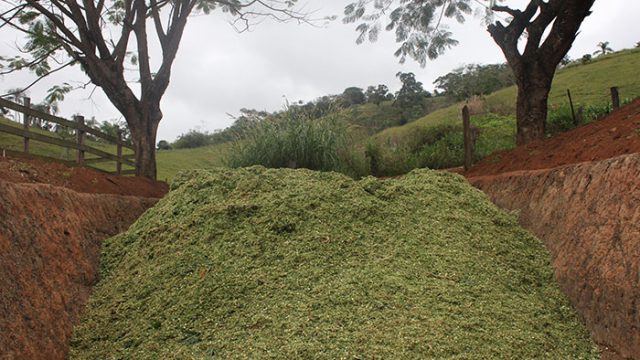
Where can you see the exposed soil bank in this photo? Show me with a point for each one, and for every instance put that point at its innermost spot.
(588, 214)
(49, 254)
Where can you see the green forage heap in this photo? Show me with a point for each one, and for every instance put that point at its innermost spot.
(260, 263)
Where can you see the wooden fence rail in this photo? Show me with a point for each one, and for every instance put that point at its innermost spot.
(81, 129)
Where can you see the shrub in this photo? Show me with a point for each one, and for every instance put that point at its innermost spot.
(164, 145)
(442, 147)
(559, 119)
(192, 139)
(373, 153)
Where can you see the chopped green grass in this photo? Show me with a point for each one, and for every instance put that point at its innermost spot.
(262, 263)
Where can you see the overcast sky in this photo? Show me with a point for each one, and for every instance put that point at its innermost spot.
(219, 71)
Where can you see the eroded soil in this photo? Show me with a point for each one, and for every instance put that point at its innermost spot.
(52, 221)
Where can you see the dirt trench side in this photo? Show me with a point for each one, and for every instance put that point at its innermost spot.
(589, 217)
(49, 255)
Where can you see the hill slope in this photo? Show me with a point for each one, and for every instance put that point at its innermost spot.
(589, 84)
(280, 264)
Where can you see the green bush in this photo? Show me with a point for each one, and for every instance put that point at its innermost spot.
(292, 141)
(192, 139)
(559, 119)
(445, 151)
(441, 147)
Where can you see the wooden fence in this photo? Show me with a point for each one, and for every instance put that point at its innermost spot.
(81, 129)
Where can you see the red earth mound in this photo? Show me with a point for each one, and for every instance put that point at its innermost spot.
(50, 241)
(617, 134)
(26, 170)
(53, 219)
(580, 192)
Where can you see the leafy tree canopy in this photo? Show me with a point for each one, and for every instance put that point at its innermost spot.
(352, 96)
(410, 97)
(378, 94)
(475, 79)
(105, 37)
(534, 40)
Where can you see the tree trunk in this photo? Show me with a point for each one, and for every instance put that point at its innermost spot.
(143, 134)
(535, 65)
(532, 104)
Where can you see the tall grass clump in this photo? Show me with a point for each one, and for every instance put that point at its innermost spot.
(294, 140)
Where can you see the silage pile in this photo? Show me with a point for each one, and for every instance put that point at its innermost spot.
(285, 264)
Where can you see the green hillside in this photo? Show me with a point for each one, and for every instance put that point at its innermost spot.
(589, 84)
(402, 148)
(262, 263)
(170, 162)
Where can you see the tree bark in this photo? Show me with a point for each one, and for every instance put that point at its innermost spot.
(534, 86)
(144, 126)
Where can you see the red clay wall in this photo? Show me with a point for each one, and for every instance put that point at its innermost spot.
(589, 217)
(49, 251)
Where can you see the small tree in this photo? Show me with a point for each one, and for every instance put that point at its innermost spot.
(474, 79)
(164, 145)
(378, 94)
(192, 139)
(352, 96)
(111, 128)
(410, 97)
(603, 48)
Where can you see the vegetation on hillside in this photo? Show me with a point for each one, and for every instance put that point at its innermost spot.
(258, 263)
(493, 114)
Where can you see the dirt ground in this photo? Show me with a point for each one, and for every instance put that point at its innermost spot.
(617, 134)
(23, 170)
(53, 219)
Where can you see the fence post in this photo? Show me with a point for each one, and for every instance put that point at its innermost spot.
(615, 97)
(26, 120)
(80, 138)
(580, 116)
(468, 138)
(119, 146)
(573, 111)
